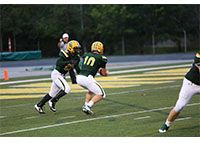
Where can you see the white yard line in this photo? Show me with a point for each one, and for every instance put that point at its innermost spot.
(114, 72)
(183, 118)
(32, 117)
(2, 117)
(114, 93)
(87, 120)
(145, 117)
(148, 69)
(24, 81)
(13, 106)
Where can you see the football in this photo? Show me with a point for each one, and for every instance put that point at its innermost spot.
(103, 74)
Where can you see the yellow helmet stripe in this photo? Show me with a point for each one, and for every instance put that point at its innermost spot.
(96, 45)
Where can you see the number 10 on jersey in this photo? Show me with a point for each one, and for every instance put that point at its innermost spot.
(89, 61)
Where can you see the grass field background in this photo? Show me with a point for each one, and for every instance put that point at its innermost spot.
(137, 105)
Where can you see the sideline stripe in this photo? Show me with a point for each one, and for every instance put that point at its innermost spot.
(114, 72)
(113, 93)
(2, 117)
(183, 118)
(32, 117)
(91, 119)
(145, 117)
(147, 69)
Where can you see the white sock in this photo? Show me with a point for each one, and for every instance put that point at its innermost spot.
(86, 103)
(168, 123)
(90, 104)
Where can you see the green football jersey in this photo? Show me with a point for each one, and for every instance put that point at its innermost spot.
(91, 63)
(194, 75)
(64, 59)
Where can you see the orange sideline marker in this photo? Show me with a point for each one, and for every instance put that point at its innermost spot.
(6, 74)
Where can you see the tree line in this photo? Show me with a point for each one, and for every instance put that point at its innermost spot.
(123, 29)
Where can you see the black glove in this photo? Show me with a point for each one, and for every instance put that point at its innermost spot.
(72, 76)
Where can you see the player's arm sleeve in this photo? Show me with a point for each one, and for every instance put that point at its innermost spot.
(72, 76)
(104, 62)
(197, 58)
(77, 67)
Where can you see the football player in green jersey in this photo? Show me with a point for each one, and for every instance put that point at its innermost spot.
(190, 87)
(67, 60)
(92, 63)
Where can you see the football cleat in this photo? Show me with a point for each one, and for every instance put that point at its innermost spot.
(39, 109)
(163, 129)
(52, 105)
(87, 110)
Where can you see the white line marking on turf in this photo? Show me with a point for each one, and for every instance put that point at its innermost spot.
(145, 117)
(114, 72)
(24, 81)
(2, 117)
(147, 69)
(31, 117)
(91, 119)
(183, 118)
(67, 117)
(114, 93)
(18, 105)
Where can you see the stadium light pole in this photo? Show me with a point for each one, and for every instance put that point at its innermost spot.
(123, 46)
(82, 25)
(1, 41)
(185, 41)
(153, 42)
(199, 25)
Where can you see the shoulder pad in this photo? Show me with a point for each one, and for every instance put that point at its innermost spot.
(197, 58)
(198, 55)
(65, 53)
(104, 57)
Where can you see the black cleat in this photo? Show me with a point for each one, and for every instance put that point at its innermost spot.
(52, 105)
(163, 129)
(39, 109)
(87, 110)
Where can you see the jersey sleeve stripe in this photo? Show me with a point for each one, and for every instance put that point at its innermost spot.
(66, 55)
(104, 57)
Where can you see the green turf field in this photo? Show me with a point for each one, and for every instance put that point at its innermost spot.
(137, 105)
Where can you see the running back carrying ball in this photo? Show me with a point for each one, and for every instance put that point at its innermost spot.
(103, 72)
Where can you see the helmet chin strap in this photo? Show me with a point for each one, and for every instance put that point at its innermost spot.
(96, 52)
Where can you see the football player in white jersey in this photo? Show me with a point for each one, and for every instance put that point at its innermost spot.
(190, 87)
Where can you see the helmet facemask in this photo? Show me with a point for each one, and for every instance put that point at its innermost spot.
(73, 47)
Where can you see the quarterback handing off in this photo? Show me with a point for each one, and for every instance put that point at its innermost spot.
(67, 60)
(190, 87)
(92, 63)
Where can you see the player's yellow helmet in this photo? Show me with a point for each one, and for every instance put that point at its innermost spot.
(97, 46)
(73, 46)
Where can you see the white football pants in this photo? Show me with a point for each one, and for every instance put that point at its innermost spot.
(187, 91)
(91, 84)
(58, 83)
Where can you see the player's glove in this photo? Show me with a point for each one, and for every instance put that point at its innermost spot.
(68, 67)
